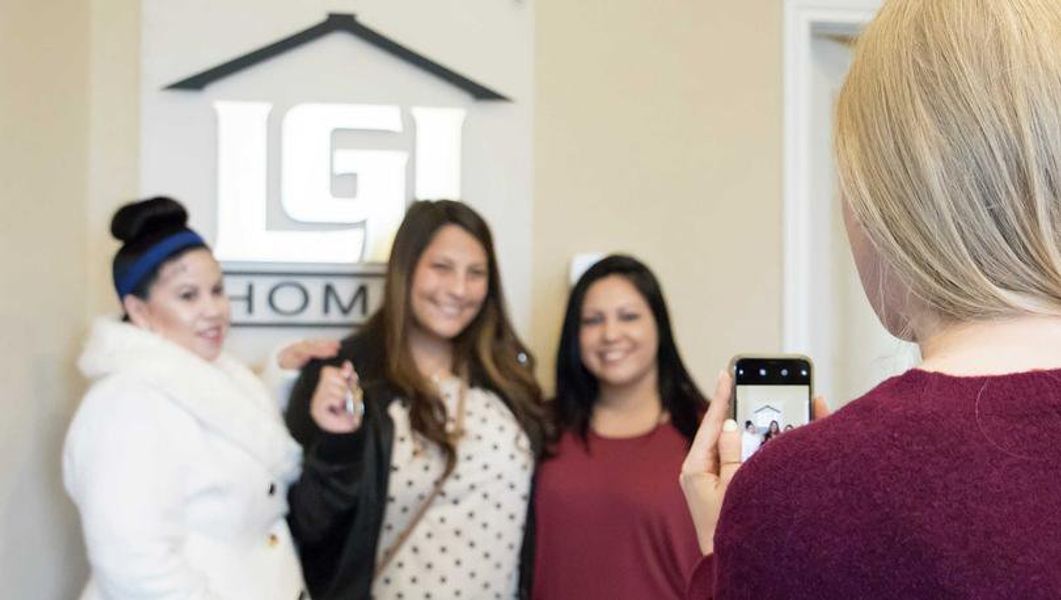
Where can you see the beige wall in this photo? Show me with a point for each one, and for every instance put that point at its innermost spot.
(68, 112)
(658, 133)
(44, 49)
(114, 126)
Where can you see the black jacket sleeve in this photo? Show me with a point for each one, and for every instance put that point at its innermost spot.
(323, 501)
(336, 505)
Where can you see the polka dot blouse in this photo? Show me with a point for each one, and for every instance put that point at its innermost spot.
(467, 545)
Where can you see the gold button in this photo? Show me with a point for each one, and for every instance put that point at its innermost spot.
(273, 540)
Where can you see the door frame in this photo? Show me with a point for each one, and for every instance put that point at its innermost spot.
(805, 263)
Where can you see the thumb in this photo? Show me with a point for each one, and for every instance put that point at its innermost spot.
(347, 370)
(702, 455)
(820, 408)
(728, 451)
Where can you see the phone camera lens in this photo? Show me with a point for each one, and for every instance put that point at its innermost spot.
(740, 371)
(784, 372)
(762, 372)
(803, 372)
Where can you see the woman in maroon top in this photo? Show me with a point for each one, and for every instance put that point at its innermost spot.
(942, 482)
(611, 523)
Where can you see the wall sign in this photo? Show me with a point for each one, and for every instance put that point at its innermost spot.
(325, 268)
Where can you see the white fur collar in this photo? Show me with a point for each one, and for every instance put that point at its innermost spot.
(223, 395)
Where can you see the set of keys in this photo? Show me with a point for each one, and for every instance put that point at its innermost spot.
(354, 403)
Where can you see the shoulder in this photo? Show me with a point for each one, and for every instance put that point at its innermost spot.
(847, 444)
(363, 348)
(124, 411)
(568, 443)
(366, 350)
(124, 397)
(821, 483)
(126, 406)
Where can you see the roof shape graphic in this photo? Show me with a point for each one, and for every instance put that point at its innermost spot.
(335, 22)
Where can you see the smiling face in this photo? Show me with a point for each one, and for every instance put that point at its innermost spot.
(618, 338)
(450, 283)
(186, 304)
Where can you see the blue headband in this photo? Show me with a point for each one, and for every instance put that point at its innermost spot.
(155, 255)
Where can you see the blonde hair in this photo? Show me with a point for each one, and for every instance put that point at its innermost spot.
(948, 146)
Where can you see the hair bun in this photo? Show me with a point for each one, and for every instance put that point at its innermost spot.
(147, 217)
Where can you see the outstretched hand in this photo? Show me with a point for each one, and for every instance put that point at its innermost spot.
(338, 403)
(713, 459)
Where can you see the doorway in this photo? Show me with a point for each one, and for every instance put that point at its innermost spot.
(826, 314)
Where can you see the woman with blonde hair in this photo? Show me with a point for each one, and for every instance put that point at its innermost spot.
(948, 144)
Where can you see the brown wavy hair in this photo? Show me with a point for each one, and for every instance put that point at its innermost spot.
(487, 352)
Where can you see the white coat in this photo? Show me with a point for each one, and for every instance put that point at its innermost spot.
(179, 468)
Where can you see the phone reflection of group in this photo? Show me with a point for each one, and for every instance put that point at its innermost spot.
(754, 437)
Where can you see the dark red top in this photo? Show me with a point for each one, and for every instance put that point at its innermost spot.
(612, 522)
(930, 486)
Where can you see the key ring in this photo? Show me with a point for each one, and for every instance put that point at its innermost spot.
(355, 401)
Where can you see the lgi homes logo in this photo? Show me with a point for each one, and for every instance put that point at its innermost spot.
(351, 232)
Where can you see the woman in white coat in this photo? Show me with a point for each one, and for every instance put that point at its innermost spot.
(177, 458)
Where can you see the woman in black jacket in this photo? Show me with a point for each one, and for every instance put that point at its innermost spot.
(421, 437)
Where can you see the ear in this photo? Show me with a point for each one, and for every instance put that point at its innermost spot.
(138, 310)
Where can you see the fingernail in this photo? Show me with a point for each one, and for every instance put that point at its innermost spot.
(729, 425)
(721, 375)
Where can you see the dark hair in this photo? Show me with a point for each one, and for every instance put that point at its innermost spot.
(577, 389)
(770, 433)
(488, 350)
(139, 226)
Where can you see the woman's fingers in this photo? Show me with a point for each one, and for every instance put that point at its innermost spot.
(728, 453)
(295, 356)
(332, 382)
(353, 397)
(328, 405)
(820, 407)
(319, 348)
(719, 407)
(702, 456)
(712, 460)
(335, 419)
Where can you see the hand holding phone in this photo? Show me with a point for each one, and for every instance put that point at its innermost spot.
(716, 451)
(710, 464)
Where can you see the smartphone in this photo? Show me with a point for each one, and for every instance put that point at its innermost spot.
(771, 395)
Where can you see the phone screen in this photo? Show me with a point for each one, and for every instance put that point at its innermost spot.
(772, 395)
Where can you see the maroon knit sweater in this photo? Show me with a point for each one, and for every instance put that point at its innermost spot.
(929, 486)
